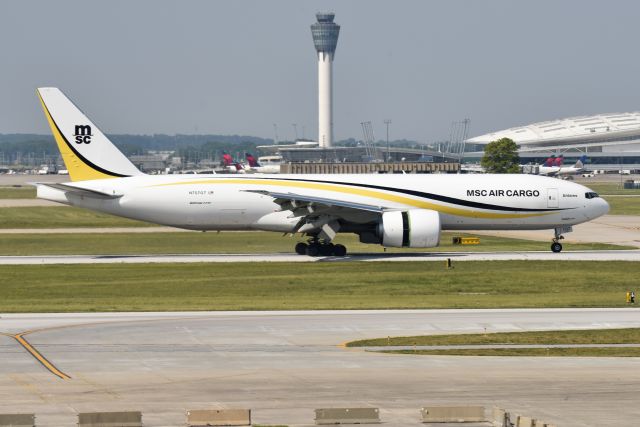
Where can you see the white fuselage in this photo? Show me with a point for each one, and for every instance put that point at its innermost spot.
(231, 202)
(559, 170)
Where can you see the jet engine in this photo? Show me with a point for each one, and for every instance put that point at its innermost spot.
(415, 228)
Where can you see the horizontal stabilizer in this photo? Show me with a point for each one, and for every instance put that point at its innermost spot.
(79, 191)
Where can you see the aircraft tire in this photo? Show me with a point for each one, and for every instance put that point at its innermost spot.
(301, 248)
(339, 250)
(556, 247)
(326, 250)
(313, 249)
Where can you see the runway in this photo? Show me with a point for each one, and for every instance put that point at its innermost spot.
(285, 364)
(621, 255)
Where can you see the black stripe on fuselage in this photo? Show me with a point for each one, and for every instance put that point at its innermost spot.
(80, 156)
(431, 196)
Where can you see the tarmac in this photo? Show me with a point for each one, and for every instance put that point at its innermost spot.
(613, 229)
(613, 255)
(283, 365)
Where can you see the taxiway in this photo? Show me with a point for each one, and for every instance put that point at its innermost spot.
(615, 255)
(285, 364)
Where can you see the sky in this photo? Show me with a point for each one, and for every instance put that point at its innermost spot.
(240, 66)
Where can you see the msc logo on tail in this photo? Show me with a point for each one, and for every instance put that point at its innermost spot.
(83, 134)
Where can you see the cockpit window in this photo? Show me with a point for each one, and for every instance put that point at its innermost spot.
(591, 195)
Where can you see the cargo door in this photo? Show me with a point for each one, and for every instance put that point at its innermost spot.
(552, 197)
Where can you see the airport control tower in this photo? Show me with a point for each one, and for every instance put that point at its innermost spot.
(325, 37)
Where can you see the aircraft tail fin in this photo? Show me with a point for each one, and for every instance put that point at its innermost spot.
(252, 160)
(87, 153)
(581, 161)
(227, 159)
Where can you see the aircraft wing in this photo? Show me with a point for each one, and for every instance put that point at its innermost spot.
(310, 206)
(322, 214)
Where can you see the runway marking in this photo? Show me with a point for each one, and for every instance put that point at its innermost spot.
(37, 355)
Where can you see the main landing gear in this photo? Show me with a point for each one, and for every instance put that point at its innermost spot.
(317, 247)
(556, 246)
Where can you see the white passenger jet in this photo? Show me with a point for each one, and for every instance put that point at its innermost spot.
(391, 210)
(550, 168)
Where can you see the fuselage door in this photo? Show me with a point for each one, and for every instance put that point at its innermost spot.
(552, 197)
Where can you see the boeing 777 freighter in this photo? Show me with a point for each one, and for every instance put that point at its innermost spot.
(391, 210)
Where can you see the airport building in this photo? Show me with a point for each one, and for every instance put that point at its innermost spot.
(611, 141)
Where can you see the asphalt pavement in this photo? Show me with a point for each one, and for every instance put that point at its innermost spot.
(285, 364)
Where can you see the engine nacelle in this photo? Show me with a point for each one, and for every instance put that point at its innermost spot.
(415, 228)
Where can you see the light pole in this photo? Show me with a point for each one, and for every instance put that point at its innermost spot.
(388, 122)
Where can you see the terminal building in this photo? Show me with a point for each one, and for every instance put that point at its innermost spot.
(610, 141)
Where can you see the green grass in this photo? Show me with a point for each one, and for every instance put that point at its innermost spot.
(61, 217)
(18, 192)
(601, 336)
(546, 352)
(621, 205)
(233, 242)
(604, 188)
(596, 336)
(289, 286)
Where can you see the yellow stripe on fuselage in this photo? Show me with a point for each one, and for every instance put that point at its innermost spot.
(345, 189)
(78, 170)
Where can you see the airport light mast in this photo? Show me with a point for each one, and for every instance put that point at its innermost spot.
(325, 38)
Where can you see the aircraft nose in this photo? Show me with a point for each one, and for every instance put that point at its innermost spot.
(603, 206)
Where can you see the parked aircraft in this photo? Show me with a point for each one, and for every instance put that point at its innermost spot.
(553, 166)
(230, 165)
(267, 164)
(406, 211)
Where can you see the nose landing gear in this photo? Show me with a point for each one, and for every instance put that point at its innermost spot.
(556, 247)
(317, 247)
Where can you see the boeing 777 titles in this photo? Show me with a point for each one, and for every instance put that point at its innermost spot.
(408, 211)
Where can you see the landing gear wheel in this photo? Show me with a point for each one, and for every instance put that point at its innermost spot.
(339, 250)
(313, 249)
(301, 248)
(556, 247)
(326, 249)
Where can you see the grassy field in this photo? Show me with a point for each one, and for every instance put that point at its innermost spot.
(289, 286)
(522, 352)
(61, 217)
(621, 205)
(598, 336)
(603, 337)
(233, 242)
(18, 192)
(609, 188)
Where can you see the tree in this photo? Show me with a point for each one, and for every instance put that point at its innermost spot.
(501, 156)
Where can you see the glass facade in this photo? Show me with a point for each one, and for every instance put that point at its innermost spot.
(325, 33)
